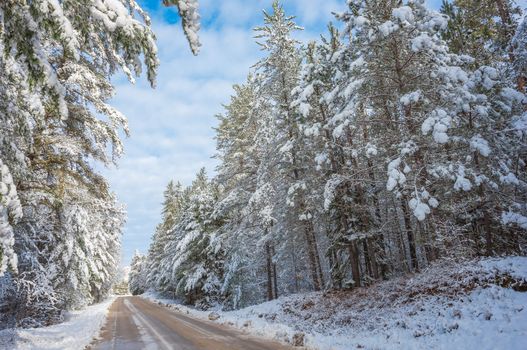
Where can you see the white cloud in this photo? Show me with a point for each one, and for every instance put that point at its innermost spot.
(171, 126)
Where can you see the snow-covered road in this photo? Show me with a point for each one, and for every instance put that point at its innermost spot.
(135, 323)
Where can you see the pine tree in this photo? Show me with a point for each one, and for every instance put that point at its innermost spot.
(56, 60)
(173, 206)
(238, 151)
(386, 146)
(481, 29)
(137, 282)
(10, 213)
(280, 70)
(188, 10)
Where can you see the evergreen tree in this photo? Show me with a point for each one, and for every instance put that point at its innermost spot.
(385, 146)
(137, 282)
(279, 74)
(10, 213)
(56, 60)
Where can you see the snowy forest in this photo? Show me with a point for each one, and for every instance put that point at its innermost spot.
(60, 223)
(396, 139)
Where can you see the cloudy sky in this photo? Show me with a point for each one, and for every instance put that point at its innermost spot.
(172, 134)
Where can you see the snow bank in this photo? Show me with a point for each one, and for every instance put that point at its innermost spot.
(74, 334)
(451, 305)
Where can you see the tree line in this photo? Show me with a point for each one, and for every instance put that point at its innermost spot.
(60, 224)
(396, 139)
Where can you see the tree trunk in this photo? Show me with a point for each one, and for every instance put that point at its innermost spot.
(413, 263)
(354, 260)
(275, 276)
(423, 233)
(488, 234)
(432, 232)
(378, 243)
(373, 258)
(314, 259)
(317, 260)
(367, 257)
(521, 84)
(335, 272)
(269, 261)
(295, 269)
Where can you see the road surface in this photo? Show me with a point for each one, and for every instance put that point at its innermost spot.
(134, 323)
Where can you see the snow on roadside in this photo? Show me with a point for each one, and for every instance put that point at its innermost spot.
(516, 266)
(74, 334)
(471, 305)
(248, 323)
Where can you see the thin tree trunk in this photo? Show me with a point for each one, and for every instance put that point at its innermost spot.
(336, 275)
(354, 260)
(373, 259)
(269, 262)
(313, 248)
(367, 261)
(521, 84)
(275, 275)
(311, 251)
(317, 259)
(413, 263)
(423, 233)
(379, 248)
(488, 234)
(433, 237)
(295, 269)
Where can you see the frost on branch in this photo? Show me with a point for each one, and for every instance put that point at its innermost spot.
(10, 212)
(188, 10)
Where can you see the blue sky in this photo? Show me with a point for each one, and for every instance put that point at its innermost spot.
(171, 126)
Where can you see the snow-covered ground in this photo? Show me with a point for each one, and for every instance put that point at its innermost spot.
(74, 334)
(451, 305)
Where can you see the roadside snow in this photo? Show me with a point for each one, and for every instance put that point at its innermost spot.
(74, 334)
(452, 305)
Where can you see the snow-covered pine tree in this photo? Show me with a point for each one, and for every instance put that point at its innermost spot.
(156, 252)
(442, 118)
(137, 277)
(238, 152)
(484, 30)
(56, 59)
(10, 213)
(400, 150)
(279, 73)
(202, 259)
(188, 10)
(315, 99)
(383, 98)
(490, 30)
(89, 251)
(159, 270)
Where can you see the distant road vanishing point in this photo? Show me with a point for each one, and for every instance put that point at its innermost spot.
(134, 323)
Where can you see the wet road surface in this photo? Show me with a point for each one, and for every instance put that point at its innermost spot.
(134, 323)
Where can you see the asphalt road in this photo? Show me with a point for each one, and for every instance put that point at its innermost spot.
(134, 323)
